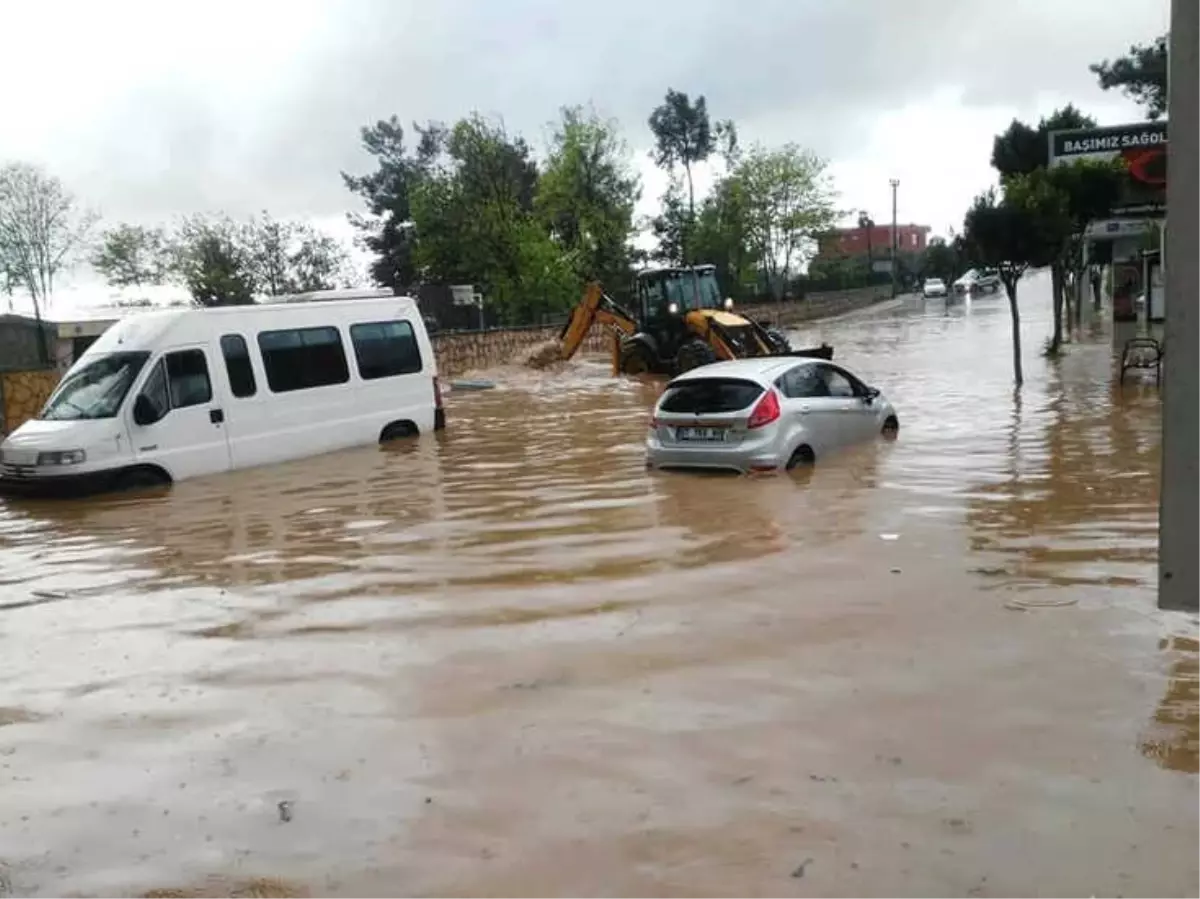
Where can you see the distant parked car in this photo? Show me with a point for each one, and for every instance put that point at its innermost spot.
(977, 281)
(764, 414)
(933, 287)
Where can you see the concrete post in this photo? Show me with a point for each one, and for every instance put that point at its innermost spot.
(1178, 534)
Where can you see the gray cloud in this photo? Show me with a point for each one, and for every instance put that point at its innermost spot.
(814, 71)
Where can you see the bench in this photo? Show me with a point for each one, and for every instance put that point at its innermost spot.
(1143, 353)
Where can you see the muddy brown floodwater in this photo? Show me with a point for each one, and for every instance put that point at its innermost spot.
(509, 661)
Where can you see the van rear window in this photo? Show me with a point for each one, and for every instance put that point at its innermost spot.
(385, 349)
(709, 395)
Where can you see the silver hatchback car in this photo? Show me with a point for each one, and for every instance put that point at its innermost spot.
(765, 414)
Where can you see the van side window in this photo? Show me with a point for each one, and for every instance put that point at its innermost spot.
(385, 349)
(155, 389)
(237, 365)
(187, 378)
(300, 358)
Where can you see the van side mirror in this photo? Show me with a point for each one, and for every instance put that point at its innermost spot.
(144, 411)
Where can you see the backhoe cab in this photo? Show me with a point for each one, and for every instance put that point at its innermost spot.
(680, 322)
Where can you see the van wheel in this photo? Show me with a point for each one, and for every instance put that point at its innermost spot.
(802, 456)
(891, 428)
(139, 479)
(397, 430)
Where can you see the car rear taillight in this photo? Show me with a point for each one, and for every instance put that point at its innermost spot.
(766, 411)
(437, 393)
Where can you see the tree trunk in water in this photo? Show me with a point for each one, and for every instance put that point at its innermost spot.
(43, 343)
(1056, 287)
(1018, 375)
(1069, 305)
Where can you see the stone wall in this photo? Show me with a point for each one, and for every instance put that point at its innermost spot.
(817, 305)
(459, 353)
(22, 395)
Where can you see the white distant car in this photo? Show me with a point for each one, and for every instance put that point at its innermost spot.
(933, 287)
(977, 281)
(764, 414)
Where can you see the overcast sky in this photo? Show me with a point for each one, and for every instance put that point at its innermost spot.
(150, 108)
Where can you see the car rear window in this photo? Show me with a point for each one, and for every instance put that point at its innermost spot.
(709, 395)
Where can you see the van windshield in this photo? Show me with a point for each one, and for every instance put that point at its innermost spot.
(95, 390)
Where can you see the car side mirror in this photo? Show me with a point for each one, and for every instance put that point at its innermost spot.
(871, 394)
(144, 411)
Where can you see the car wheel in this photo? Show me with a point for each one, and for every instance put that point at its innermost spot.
(693, 354)
(802, 456)
(891, 428)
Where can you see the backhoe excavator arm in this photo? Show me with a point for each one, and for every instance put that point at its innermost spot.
(594, 307)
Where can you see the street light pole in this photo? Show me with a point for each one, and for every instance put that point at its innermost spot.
(895, 182)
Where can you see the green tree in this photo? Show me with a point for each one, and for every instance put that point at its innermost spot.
(291, 257)
(723, 236)
(685, 136)
(669, 226)
(1141, 74)
(789, 200)
(1011, 236)
(41, 227)
(41, 231)
(943, 259)
(319, 262)
(386, 230)
(213, 260)
(1088, 190)
(132, 256)
(1021, 148)
(586, 195)
(474, 217)
(269, 242)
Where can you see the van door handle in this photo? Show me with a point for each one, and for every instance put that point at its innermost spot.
(216, 416)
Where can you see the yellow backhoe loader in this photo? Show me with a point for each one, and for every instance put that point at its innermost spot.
(683, 323)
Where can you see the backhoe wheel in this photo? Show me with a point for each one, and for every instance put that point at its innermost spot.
(635, 359)
(693, 354)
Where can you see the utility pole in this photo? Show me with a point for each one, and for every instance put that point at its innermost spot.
(895, 182)
(1178, 584)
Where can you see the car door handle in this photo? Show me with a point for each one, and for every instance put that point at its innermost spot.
(804, 410)
(216, 416)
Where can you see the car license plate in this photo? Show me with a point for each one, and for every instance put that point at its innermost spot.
(703, 435)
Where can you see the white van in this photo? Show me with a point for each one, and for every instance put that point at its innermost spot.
(173, 394)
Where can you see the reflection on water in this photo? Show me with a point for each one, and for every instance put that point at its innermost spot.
(1173, 740)
(374, 623)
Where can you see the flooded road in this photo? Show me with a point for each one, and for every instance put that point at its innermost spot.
(510, 661)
